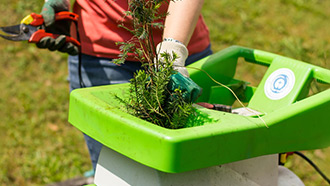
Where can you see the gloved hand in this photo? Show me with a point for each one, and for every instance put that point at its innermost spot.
(190, 90)
(172, 45)
(61, 27)
(51, 7)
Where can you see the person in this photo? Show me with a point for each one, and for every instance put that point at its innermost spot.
(185, 33)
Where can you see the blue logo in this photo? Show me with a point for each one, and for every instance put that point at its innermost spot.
(279, 83)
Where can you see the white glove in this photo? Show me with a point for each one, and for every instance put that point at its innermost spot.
(171, 45)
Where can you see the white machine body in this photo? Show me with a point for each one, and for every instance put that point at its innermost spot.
(114, 169)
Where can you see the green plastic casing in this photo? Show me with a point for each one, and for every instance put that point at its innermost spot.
(296, 121)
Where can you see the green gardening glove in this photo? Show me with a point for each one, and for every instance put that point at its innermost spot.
(190, 90)
(180, 80)
(61, 28)
(51, 7)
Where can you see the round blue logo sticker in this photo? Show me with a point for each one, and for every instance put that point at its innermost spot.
(279, 84)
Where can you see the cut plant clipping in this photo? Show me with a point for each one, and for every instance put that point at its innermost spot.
(158, 93)
(152, 99)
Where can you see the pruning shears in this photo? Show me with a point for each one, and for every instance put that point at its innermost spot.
(32, 28)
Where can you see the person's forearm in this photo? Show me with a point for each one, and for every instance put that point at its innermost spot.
(182, 19)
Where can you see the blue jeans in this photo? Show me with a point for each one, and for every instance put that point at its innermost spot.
(98, 71)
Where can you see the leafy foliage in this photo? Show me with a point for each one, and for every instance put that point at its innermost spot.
(150, 99)
(145, 16)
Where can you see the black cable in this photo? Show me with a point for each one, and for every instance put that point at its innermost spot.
(81, 82)
(314, 166)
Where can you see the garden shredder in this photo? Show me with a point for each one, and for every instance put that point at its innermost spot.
(218, 148)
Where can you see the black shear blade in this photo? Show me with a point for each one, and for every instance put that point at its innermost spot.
(11, 37)
(17, 32)
(11, 30)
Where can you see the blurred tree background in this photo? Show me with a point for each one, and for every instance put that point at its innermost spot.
(38, 145)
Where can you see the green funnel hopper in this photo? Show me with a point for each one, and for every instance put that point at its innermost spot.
(295, 120)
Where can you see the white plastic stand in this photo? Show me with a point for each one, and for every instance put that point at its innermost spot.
(114, 169)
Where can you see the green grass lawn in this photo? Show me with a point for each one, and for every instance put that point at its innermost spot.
(38, 145)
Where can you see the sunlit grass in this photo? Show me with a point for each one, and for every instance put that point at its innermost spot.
(292, 28)
(39, 146)
(37, 143)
